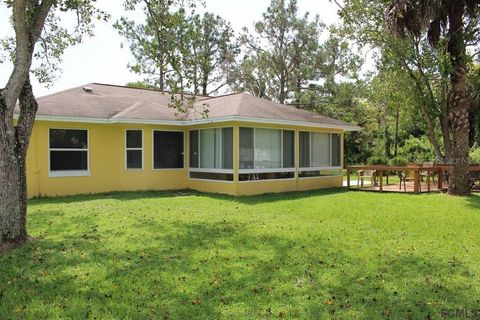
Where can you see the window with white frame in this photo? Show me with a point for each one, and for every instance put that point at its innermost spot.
(211, 154)
(134, 149)
(266, 154)
(320, 154)
(68, 152)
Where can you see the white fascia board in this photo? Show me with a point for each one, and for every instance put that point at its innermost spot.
(194, 122)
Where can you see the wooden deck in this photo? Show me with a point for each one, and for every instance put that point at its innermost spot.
(396, 188)
(418, 178)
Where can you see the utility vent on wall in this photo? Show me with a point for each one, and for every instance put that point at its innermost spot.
(88, 89)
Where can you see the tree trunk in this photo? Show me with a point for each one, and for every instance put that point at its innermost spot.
(459, 100)
(445, 122)
(12, 217)
(205, 83)
(161, 75)
(13, 177)
(397, 120)
(282, 96)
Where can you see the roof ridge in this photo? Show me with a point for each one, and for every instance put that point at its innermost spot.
(62, 91)
(130, 108)
(222, 96)
(149, 89)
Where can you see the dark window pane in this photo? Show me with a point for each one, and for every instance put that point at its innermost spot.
(336, 150)
(265, 176)
(68, 139)
(134, 138)
(134, 159)
(227, 148)
(246, 148)
(194, 149)
(212, 176)
(288, 149)
(68, 160)
(304, 149)
(167, 150)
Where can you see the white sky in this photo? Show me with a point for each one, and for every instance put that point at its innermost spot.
(101, 58)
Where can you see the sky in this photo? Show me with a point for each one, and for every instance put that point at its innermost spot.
(103, 59)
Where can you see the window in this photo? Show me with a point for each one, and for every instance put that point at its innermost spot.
(68, 150)
(211, 154)
(167, 150)
(319, 153)
(266, 154)
(134, 149)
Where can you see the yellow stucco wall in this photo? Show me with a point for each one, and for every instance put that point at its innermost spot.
(107, 164)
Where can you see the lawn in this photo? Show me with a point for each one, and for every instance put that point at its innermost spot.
(187, 255)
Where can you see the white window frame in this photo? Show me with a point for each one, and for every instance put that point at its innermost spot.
(134, 149)
(269, 170)
(153, 151)
(68, 173)
(301, 169)
(210, 170)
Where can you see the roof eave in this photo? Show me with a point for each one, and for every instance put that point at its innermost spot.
(196, 121)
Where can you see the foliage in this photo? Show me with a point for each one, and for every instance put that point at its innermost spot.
(475, 155)
(56, 36)
(177, 49)
(417, 150)
(184, 255)
(281, 54)
(399, 161)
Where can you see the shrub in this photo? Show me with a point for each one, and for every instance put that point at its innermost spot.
(398, 161)
(475, 155)
(417, 150)
(377, 159)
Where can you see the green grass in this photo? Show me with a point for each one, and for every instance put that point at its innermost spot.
(186, 255)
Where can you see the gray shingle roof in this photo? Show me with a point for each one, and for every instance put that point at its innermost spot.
(116, 103)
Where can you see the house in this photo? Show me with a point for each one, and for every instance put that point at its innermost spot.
(100, 138)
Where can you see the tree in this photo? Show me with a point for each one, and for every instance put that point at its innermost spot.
(455, 19)
(285, 47)
(214, 50)
(33, 21)
(153, 42)
(178, 50)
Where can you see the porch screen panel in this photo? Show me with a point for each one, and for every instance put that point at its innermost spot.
(194, 149)
(246, 157)
(207, 149)
(268, 149)
(167, 150)
(304, 149)
(288, 149)
(336, 150)
(320, 153)
(227, 148)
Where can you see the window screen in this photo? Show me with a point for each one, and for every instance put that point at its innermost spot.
(336, 150)
(68, 150)
(227, 148)
(246, 148)
(304, 149)
(320, 149)
(134, 149)
(288, 149)
(167, 149)
(194, 149)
